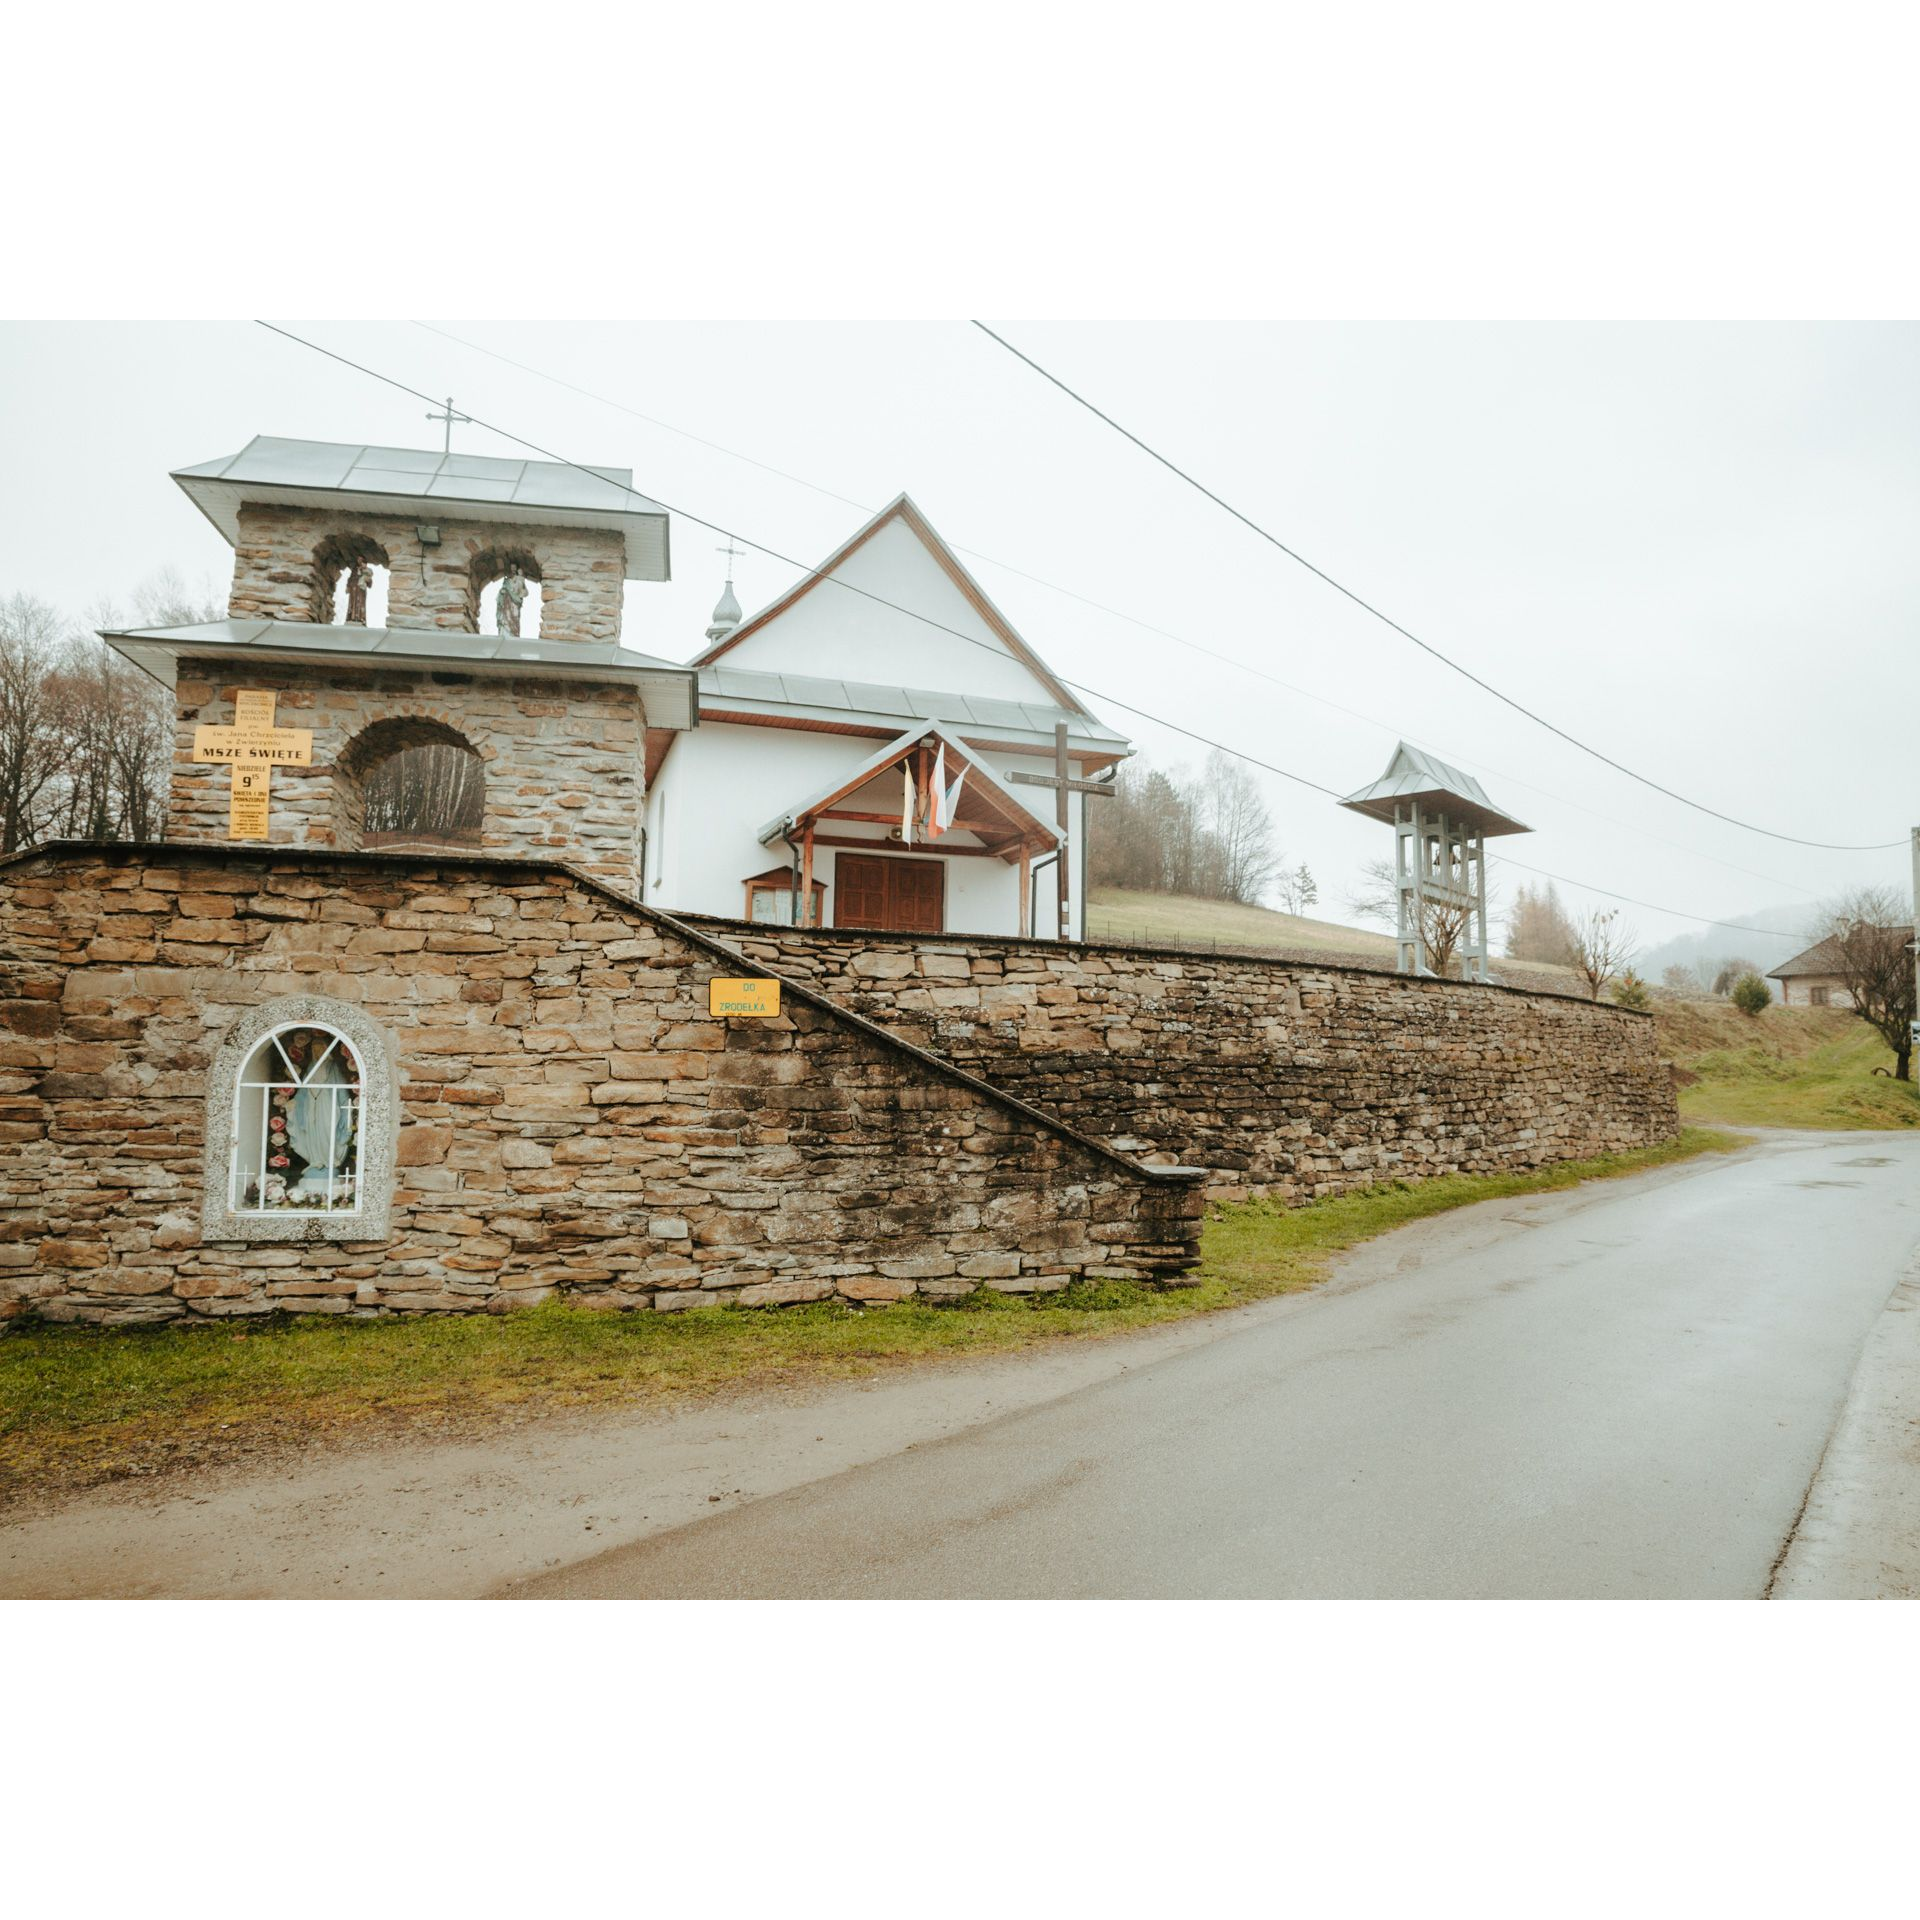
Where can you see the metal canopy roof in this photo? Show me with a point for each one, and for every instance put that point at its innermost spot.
(1413, 776)
(407, 480)
(668, 691)
(978, 774)
(822, 699)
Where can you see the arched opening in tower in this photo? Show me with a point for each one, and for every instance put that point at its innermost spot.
(409, 781)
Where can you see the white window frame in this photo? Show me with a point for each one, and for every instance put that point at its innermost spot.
(369, 1217)
(293, 1081)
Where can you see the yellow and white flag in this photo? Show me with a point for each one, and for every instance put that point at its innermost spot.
(906, 805)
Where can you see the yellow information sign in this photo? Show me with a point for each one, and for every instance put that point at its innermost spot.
(253, 746)
(253, 740)
(744, 999)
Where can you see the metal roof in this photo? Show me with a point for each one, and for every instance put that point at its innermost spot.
(408, 480)
(1412, 775)
(668, 691)
(878, 762)
(823, 699)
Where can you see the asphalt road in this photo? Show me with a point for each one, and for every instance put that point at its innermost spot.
(1621, 1391)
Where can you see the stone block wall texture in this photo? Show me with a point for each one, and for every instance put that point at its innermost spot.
(1277, 1077)
(564, 765)
(276, 577)
(570, 1115)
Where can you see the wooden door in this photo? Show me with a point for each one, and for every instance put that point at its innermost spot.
(890, 895)
(916, 893)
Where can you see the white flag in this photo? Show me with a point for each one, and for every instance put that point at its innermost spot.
(952, 809)
(906, 807)
(938, 820)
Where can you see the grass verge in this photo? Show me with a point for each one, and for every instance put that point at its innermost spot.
(80, 1405)
(1832, 1084)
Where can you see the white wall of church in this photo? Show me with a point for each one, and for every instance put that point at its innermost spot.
(721, 783)
(843, 635)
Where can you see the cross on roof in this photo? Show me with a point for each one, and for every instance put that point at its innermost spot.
(450, 417)
(733, 553)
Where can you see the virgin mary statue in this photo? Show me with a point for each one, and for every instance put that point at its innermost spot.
(319, 1120)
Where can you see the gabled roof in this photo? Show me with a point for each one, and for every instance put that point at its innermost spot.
(1415, 776)
(413, 481)
(982, 782)
(1823, 957)
(903, 509)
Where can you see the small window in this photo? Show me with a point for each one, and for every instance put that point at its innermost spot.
(1819, 996)
(296, 1125)
(770, 899)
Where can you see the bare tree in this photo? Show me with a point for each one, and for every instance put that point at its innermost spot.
(433, 788)
(1443, 924)
(163, 599)
(86, 740)
(32, 636)
(1602, 948)
(1870, 934)
(1240, 827)
(1168, 833)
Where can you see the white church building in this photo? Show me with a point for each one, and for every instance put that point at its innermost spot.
(852, 758)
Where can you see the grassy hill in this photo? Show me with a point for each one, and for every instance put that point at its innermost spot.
(1173, 919)
(1791, 1067)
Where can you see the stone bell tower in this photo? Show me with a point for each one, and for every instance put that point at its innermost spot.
(287, 709)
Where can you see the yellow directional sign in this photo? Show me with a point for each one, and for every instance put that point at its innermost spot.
(744, 999)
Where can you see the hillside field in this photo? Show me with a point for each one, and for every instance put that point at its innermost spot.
(1790, 1067)
(1173, 919)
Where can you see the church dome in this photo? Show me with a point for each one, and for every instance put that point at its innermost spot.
(726, 615)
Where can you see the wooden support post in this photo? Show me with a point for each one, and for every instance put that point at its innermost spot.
(1062, 782)
(805, 917)
(1026, 889)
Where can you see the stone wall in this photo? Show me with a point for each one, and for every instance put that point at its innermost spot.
(1278, 1077)
(275, 575)
(569, 1115)
(564, 765)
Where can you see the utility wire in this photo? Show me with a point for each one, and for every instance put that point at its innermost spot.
(1486, 686)
(620, 486)
(1114, 613)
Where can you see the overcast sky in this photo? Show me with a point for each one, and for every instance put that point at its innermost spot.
(1692, 545)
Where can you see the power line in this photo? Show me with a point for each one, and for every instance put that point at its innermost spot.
(1445, 660)
(1115, 613)
(1299, 779)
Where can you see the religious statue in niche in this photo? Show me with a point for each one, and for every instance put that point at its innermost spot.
(297, 1139)
(513, 596)
(359, 580)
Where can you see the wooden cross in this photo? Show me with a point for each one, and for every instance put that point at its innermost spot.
(1062, 783)
(253, 746)
(466, 419)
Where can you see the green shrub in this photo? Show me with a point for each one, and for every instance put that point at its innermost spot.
(1752, 995)
(1631, 991)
